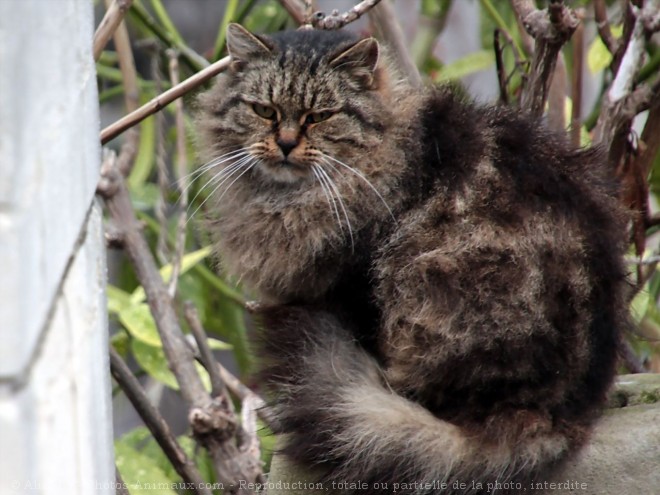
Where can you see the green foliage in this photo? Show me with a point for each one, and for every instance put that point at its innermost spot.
(146, 470)
(465, 66)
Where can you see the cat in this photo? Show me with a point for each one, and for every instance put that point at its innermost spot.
(441, 283)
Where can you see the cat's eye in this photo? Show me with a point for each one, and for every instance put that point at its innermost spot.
(316, 117)
(264, 111)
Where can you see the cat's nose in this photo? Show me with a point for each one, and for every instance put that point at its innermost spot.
(286, 145)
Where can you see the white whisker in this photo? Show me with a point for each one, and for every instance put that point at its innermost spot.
(333, 186)
(222, 174)
(213, 163)
(331, 200)
(251, 163)
(244, 162)
(361, 176)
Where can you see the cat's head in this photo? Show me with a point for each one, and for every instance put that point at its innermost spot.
(294, 102)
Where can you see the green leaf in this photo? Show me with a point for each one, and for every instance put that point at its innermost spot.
(145, 196)
(187, 262)
(117, 299)
(464, 66)
(640, 304)
(139, 322)
(120, 341)
(166, 21)
(219, 345)
(152, 360)
(229, 16)
(145, 160)
(136, 438)
(598, 56)
(140, 473)
(267, 439)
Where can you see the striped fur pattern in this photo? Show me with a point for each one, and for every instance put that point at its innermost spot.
(444, 281)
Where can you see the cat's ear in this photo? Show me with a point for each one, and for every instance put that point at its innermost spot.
(360, 60)
(242, 45)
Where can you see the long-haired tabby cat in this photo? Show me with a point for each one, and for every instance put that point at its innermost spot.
(444, 282)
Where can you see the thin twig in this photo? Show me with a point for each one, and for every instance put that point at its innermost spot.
(384, 19)
(499, 65)
(576, 81)
(126, 60)
(162, 173)
(221, 378)
(431, 22)
(162, 100)
(296, 9)
(181, 175)
(630, 359)
(155, 422)
(651, 135)
(335, 20)
(309, 10)
(242, 392)
(208, 361)
(557, 92)
(131, 92)
(193, 59)
(603, 25)
(109, 24)
(250, 441)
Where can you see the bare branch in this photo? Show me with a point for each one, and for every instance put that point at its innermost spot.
(162, 100)
(576, 81)
(109, 24)
(630, 359)
(628, 27)
(499, 65)
(652, 21)
(651, 134)
(190, 313)
(125, 56)
(296, 9)
(213, 424)
(551, 28)
(243, 393)
(557, 93)
(220, 376)
(603, 25)
(131, 92)
(622, 101)
(182, 172)
(388, 29)
(155, 422)
(250, 437)
(336, 20)
(430, 25)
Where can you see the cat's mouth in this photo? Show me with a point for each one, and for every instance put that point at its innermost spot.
(286, 170)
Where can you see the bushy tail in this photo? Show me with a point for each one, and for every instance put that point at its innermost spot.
(339, 415)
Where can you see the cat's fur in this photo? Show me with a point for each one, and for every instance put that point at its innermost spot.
(465, 331)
